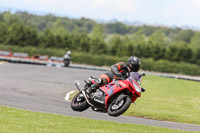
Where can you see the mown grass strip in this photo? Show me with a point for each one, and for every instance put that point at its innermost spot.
(17, 120)
(168, 99)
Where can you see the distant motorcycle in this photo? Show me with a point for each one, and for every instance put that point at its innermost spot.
(113, 98)
(67, 60)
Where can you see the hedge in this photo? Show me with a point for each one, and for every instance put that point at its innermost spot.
(147, 64)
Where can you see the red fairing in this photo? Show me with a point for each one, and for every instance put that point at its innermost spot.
(131, 83)
(117, 86)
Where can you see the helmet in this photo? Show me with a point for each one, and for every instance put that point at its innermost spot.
(134, 63)
(68, 52)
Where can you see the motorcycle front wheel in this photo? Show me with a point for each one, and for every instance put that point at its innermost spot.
(79, 103)
(116, 109)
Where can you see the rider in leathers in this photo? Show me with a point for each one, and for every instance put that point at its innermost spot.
(118, 70)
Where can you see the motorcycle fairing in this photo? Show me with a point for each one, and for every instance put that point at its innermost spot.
(135, 87)
(113, 88)
(98, 99)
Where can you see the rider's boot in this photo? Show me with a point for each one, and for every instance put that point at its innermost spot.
(94, 86)
(91, 89)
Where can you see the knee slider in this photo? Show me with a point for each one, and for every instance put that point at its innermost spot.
(99, 81)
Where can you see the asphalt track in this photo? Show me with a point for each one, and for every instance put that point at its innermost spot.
(42, 89)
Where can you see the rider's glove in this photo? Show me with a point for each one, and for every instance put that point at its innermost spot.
(119, 75)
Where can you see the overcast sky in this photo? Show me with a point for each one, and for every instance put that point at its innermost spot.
(167, 12)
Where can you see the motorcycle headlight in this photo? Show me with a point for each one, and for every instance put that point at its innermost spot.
(138, 89)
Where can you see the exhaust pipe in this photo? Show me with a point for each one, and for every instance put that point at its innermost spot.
(77, 85)
(83, 92)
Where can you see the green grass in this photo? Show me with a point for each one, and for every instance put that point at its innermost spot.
(168, 99)
(17, 120)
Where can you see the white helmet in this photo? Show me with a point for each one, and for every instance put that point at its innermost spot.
(69, 52)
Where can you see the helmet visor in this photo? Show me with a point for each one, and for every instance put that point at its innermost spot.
(135, 68)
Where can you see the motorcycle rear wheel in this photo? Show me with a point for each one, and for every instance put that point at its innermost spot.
(66, 62)
(79, 103)
(118, 109)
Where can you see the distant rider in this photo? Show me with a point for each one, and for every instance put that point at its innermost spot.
(68, 54)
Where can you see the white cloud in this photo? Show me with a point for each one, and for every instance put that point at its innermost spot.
(99, 3)
(125, 5)
(122, 5)
(111, 6)
(195, 3)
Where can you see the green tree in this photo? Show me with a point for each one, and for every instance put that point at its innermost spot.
(21, 35)
(97, 44)
(98, 32)
(147, 30)
(58, 28)
(184, 35)
(1, 17)
(85, 42)
(117, 47)
(48, 40)
(67, 40)
(138, 42)
(197, 55)
(117, 27)
(179, 51)
(195, 41)
(3, 32)
(157, 45)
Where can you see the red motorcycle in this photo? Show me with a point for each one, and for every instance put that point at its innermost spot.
(113, 98)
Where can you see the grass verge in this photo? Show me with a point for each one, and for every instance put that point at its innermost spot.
(17, 120)
(168, 99)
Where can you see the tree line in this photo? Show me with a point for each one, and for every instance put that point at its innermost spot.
(85, 35)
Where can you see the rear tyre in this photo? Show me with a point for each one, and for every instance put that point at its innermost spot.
(79, 103)
(116, 109)
(66, 62)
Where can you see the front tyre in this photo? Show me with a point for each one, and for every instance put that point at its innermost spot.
(116, 109)
(79, 103)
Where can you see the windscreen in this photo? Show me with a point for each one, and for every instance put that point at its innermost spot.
(136, 77)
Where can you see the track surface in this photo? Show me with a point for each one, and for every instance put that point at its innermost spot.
(42, 89)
